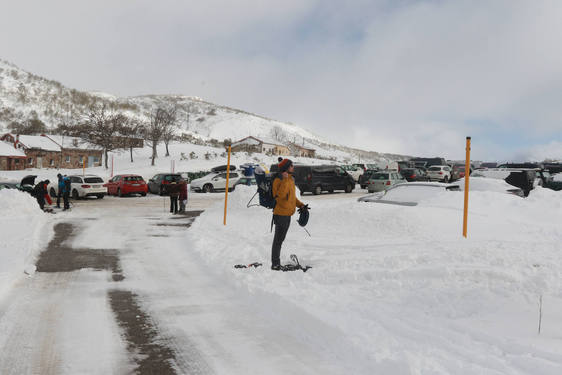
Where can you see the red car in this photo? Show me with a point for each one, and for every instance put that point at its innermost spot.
(124, 184)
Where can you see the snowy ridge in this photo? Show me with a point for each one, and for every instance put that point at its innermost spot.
(25, 96)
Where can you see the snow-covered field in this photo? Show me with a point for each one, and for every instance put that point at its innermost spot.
(399, 290)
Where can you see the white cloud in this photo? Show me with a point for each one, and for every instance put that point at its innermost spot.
(403, 77)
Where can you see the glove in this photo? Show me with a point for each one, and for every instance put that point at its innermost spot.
(304, 208)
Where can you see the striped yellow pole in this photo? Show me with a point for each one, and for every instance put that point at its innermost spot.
(83, 167)
(226, 189)
(466, 180)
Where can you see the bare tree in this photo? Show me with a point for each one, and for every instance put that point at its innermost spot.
(101, 127)
(131, 130)
(162, 123)
(278, 134)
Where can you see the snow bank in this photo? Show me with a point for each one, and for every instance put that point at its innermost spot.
(22, 229)
(403, 286)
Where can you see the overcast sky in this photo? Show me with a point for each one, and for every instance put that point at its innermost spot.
(413, 77)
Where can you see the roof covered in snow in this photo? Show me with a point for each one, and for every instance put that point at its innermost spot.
(38, 141)
(71, 142)
(8, 149)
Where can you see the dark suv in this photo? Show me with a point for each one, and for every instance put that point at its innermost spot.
(159, 183)
(319, 178)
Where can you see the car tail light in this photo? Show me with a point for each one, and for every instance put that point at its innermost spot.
(309, 177)
(388, 182)
(86, 186)
(413, 176)
(440, 172)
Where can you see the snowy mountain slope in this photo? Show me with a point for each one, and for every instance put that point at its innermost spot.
(25, 96)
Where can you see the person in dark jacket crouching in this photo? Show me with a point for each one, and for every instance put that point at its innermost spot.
(284, 193)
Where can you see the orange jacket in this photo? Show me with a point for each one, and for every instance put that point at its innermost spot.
(285, 196)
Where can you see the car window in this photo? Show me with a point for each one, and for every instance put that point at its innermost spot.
(93, 180)
(447, 169)
(133, 178)
(434, 169)
(380, 176)
(75, 179)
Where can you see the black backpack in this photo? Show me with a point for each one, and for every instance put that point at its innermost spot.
(264, 182)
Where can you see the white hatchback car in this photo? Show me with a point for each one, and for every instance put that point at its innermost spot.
(82, 186)
(439, 173)
(214, 182)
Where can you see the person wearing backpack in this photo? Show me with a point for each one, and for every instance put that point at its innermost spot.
(284, 192)
(60, 189)
(66, 192)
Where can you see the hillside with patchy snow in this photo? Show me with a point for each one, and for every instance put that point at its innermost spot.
(25, 96)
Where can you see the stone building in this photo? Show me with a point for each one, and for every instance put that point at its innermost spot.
(264, 146)
(303, 150)
(43, 151)
(11, 158)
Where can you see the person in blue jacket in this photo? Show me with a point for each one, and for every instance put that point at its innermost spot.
(65, 191)
(60, 190)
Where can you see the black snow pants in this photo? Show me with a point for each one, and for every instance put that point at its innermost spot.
(41, 201)
(65, 197)
(173, 204)
(59, 195)
(281, 227)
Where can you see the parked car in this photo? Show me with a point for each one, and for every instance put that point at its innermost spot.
(319, 178)
(125, 184)
(364, 178)
(381, 181)
(214, 182)
(246, 180)
(354, 171)
(81, 187)
(414, 175)
(158, 183)
(361, 165)
(439, 173)
(428, 162)
(409, 194)
(8, 185)
(27, 183)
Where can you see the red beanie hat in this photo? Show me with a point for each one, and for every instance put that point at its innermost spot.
(285, 164)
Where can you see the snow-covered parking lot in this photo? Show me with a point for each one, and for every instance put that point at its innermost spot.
(393, 289)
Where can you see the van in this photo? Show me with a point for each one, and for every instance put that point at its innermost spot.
(319, 178)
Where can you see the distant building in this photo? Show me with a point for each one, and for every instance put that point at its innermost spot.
(303, 150)
(48, 151)
(11, 158)
(265, 146)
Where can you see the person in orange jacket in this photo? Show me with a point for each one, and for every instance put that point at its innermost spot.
(284, 192)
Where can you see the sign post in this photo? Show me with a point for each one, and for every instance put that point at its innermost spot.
(226, 189)
(466, 183)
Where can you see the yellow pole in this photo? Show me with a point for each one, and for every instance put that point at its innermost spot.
(466, 180)
(83, 167)
(226, 189)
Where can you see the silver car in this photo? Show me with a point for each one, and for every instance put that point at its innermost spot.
(381, 181)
